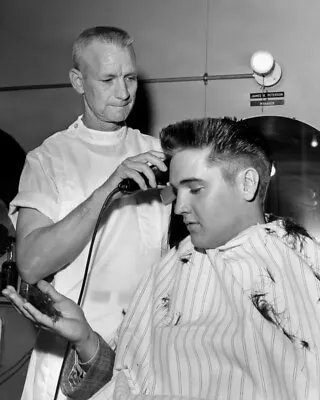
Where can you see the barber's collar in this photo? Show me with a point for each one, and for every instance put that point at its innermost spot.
(95, 136)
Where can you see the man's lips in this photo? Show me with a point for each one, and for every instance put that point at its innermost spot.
(187, 222)
(121, 105)
(191, 225)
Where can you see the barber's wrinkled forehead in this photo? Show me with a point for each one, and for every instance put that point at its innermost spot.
(106, 56)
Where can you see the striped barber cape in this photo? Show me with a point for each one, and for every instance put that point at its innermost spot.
(238, 322)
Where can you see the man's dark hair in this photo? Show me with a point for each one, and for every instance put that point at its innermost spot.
(107, 34)
(233, 146)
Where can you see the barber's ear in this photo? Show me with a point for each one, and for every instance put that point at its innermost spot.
(249, 183)
(76, 80)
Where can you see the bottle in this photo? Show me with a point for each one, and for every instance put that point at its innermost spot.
(9, 270)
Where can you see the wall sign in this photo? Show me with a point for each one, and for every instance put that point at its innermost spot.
(266, 99)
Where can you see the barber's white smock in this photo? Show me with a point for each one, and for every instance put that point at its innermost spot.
(58, 176)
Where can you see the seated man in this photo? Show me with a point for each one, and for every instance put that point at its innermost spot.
(232, 312)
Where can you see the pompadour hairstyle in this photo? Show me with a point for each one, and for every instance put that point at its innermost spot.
(233, 145)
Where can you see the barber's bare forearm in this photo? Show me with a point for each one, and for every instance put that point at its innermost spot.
(44, 250)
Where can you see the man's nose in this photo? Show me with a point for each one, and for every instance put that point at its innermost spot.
(181, 206)
(122, 91)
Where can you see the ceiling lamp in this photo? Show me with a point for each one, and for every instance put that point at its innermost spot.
(266, 71)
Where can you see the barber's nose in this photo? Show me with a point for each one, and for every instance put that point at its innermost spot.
(122, 91)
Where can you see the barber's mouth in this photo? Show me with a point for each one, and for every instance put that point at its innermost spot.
(121, 105)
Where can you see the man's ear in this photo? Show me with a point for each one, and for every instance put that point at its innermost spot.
(248, 181)
(76, 80)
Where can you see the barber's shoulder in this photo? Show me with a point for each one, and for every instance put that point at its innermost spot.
(55, 137)
(147, 142)
(53, 143)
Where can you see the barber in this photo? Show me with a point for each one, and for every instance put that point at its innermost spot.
(63, 186)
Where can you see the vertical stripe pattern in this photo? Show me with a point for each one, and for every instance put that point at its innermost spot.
(238, 322)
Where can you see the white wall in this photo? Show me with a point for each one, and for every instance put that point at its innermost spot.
(173, 38)
(289, 29)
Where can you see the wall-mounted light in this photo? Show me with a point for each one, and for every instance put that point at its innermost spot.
(266, 71)
(314, 142)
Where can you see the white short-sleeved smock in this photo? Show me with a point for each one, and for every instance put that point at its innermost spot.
(57, 177)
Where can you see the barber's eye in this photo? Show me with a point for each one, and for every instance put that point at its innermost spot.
(132, 78)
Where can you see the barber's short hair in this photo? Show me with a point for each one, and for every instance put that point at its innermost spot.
(233, 145)
(107, 34)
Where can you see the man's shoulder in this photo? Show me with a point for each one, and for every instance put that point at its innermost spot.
(283, 235)
(59, 136)
(56, 140)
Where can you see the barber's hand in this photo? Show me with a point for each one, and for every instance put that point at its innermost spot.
(133, 167)
(72, 325)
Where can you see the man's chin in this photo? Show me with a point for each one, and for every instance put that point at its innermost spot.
(119, 117)
(196, 241)
(203, 243)
(120, 113)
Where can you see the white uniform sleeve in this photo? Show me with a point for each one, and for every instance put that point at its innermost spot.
(37, 189)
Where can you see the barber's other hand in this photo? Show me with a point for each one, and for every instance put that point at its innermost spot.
(72, 325)
(133, 167)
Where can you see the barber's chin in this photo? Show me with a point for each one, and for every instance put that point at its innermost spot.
(120, 116)
(120, 113)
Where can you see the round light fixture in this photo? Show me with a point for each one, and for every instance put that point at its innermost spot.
(266, 71)
(314, 142)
